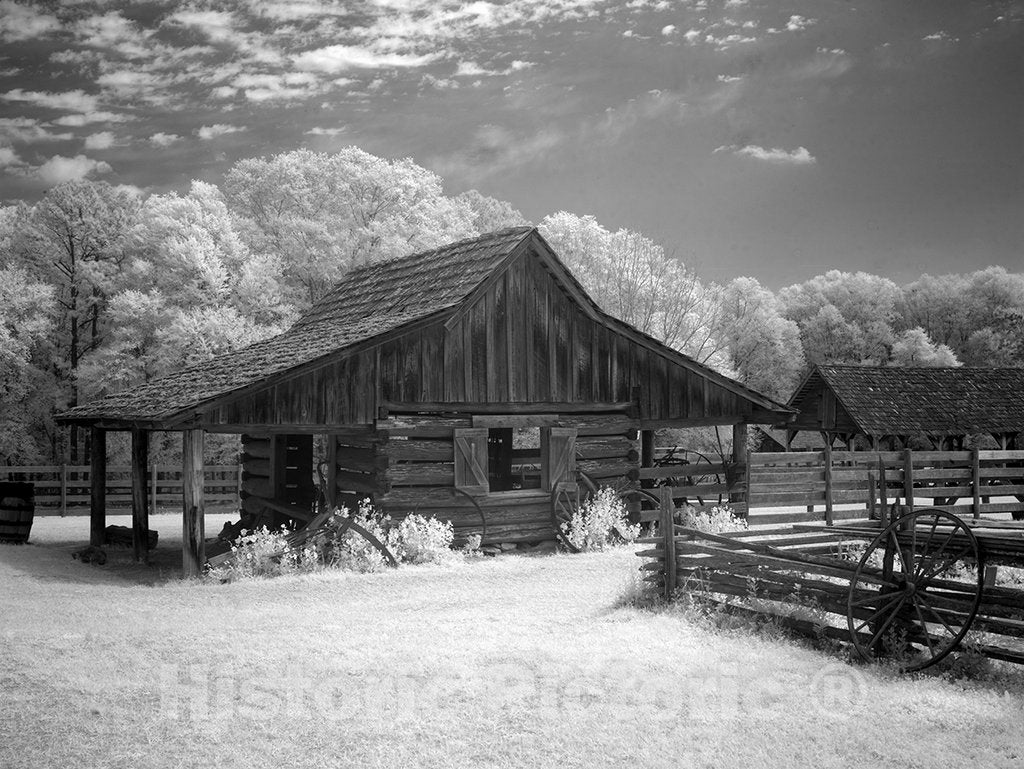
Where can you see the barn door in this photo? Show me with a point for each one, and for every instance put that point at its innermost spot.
(471, 460)
(558, 458)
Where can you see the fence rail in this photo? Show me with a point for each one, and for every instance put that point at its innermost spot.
(67, 487)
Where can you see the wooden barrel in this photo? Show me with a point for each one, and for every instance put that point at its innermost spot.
(17, 508)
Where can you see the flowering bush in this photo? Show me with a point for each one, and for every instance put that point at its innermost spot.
(599, 521)
(264, 553)
(712, 520)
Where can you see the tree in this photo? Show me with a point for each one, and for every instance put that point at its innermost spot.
(632, 278)
(765, 351)
(74, 240)
(844, 317)
(322, 214)
(27, 387)
(914, 348)
(191, 289)
(490, 214)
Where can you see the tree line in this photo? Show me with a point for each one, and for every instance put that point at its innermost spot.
(102, 287)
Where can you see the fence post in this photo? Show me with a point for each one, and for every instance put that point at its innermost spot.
(871, 495)
(667, 524)
(883, 493)
(828, 483)
(152, 488)
(63, 490)
(908, 479)
(976, 481)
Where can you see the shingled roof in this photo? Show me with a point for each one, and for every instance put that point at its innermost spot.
(367, 303)
(924, 401)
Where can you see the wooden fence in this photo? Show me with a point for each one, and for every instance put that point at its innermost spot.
(66, 487)
(964, 482)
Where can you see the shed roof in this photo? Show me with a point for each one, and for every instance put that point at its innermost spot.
(367, 305)
(930, 401)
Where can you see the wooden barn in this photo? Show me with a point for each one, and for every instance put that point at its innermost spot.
(469, 382)
(891, 406)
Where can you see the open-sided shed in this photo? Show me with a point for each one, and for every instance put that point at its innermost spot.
(894, 405)
(467, 382)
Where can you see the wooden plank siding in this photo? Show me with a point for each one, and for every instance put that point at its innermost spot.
(524, 340)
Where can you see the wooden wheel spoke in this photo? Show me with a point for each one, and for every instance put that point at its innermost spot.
(931, 560)
(873, 597)
(946, 563)
(887, 623)
(928, 606)
(924, 629)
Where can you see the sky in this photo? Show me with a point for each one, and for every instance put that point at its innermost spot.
(750, 137)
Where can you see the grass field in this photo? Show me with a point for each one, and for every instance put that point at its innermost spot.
(514, 661)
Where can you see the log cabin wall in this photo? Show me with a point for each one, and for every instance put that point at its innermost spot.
(420, 471)
(523, 340)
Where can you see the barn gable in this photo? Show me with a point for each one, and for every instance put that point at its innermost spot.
(485, 322)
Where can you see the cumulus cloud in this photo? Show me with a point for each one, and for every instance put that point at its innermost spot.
(100, 141)
(798, 157)
(61, 169)
(333, 59)
(217, 26)
(162, 139)
(940, 36)
(208, 132)
(668, 29)
(23, 22)
(797, 23)
(9, 158)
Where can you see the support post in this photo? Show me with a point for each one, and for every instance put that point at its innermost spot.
(976, 482)
(828, 483)
(153, 472)
(668, 531)
(63, 490)
(908, 479)
(647, 448)
(883, 494)
(98, 488)
(140, 502)
(741, 473)
(193, 535)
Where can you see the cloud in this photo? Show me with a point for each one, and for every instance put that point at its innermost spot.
(668, 29)
(61, 169)
(74, 101)
(162, 139)
(941, 36)
(100, 141)
(77, 121)
(692, 36)
(338, 58)
(291, 85)
(23, 22)
(29, 130)
(495, 149)
(798, 23)
(208, 132)
(9, 158)
(217, 26)
(317, 131)
(798, 157)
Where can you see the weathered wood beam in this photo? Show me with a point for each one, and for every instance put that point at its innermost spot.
(140, 500)
(193, 534)
(547, 407)
(98, 491)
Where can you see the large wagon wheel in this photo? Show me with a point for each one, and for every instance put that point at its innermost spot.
(904, 598)
(671, 460)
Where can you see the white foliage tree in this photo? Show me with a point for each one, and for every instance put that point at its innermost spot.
(321, 214)
(632, 278)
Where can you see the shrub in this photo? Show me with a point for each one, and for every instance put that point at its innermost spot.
(599, 522)
(264, 553)
(423, 540)
(713, 520)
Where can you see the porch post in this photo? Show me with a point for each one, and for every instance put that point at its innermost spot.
(193, 535)
(740, 460)
(98, 488)
(140, 497)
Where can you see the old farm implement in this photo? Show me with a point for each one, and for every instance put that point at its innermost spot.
(912, 584)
